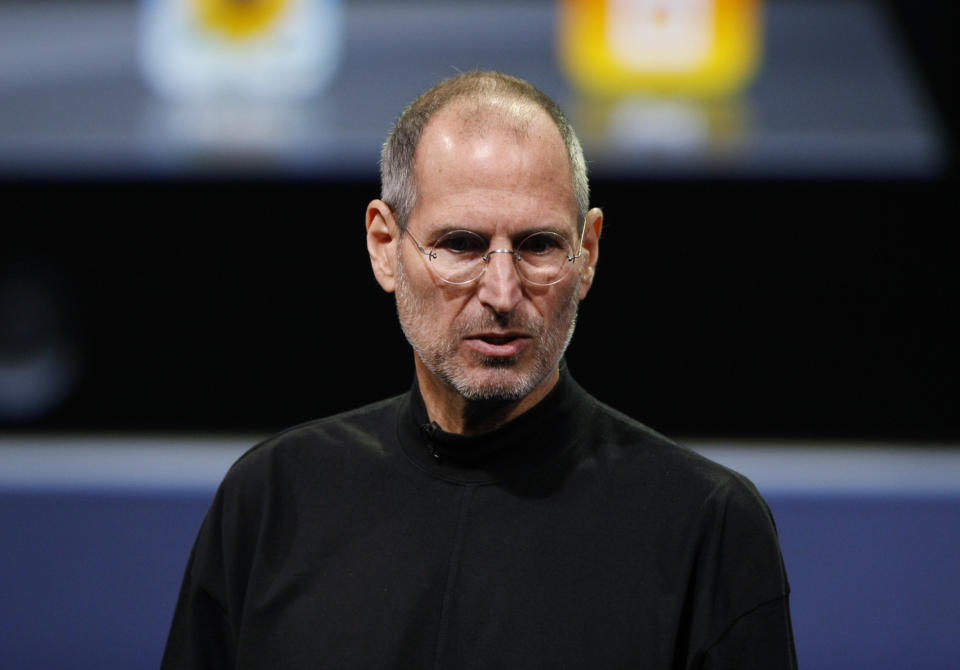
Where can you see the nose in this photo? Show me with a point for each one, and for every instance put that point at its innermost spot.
(499, 286)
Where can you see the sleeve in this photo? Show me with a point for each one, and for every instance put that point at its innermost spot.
(742, 592)
(202, 632)
(759, 640)
(200, 635)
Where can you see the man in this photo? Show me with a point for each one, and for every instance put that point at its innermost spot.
(496, 516)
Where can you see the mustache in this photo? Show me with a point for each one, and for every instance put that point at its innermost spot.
(514, 321)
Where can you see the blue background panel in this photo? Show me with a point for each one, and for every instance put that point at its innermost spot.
(89, 579)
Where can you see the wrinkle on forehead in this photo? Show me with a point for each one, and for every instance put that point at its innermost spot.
(457, 127)
(483, 141)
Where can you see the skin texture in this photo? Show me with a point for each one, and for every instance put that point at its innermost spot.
(488, 351)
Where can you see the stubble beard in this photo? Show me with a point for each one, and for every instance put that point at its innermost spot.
(439, 351)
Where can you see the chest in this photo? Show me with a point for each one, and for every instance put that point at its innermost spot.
(467, 577)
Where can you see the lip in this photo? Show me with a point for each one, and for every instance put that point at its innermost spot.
(498, 344)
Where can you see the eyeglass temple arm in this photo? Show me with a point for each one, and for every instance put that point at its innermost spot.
(580, 250)
(429, 254)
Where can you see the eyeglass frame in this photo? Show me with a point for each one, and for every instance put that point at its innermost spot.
(486, 257)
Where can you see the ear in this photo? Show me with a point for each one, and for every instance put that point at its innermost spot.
(383, 236)
(591, 249)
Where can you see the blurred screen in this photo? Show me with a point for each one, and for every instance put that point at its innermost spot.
(309, 87)
(189, 178)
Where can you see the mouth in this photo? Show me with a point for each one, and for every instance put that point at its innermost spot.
(498, 344)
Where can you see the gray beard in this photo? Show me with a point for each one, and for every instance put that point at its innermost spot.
(440, 357)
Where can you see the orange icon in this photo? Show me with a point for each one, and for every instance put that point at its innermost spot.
(700, 48)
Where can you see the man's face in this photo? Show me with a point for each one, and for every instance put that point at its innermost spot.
(498, 337)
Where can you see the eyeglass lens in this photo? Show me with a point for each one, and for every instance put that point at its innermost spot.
(461, 256)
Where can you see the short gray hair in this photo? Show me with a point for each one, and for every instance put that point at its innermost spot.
(398, 185)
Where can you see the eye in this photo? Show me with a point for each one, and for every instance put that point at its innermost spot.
(543, 243)
(462, 242)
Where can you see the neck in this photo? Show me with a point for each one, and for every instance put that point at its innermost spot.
(456, 414)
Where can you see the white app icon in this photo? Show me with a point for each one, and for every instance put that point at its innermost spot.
(664, 35)
(292, 56)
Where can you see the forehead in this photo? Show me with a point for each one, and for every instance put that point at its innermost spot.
(488, 159)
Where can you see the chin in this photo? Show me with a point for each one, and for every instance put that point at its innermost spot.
(493, 393)
(498, 380)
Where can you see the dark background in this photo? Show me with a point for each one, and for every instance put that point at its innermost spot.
(751, 308)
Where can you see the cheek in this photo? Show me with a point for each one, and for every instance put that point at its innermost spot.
(456, 304)
(564, 299)
(582, 289)
(443, 313)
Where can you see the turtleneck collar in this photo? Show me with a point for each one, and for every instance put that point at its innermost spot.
(534, 440)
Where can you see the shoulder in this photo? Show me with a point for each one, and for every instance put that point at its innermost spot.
(627, 441)
(673, 478)
(311, 467)
(636, 457)
(326, 445)
(709, 520)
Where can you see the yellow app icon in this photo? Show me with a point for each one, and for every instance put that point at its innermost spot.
(686, 47)
(239, 18)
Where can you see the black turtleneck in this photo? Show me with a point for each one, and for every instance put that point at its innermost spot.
(536, 439)
(571, 537)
